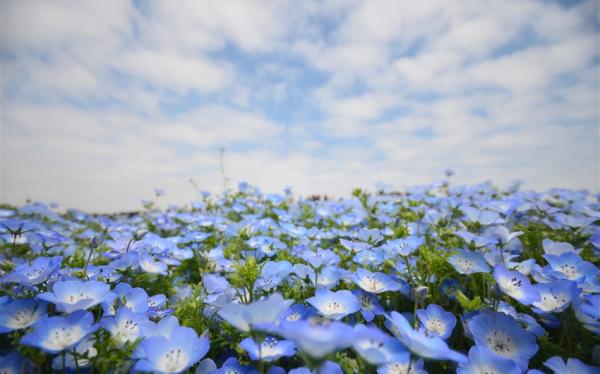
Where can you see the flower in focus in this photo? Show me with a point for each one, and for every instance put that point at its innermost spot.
(72, 295)
(172, 354)
(499, 334)
(515, 285)
(54, 334)
(335, 305)
(437, 321)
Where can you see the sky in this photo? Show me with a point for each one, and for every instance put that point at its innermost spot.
(103, 101)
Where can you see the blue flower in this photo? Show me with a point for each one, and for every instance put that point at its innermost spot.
(269, 349)
(126, 326)
(232, 366)
(354, 246)
(317, 339)
(14, 363)
(480, 361)
(515, 285)
(555, 296)
(501, 335)
(419, 343)
(404, 246)
(375, 346)
(573, 366)
(319, 258)
(467, 262)
(483, 217)
(38, 272)
(243, 317)
(151, 266)
(403, 364)
(587, 311)
(573, 267)
(374, 282)
(369, 305)
(437, 321)
(172, 354)
(69, 296)
(85, 350)
(54, 334)
(335, 305)
(558, 248)
(20, 313)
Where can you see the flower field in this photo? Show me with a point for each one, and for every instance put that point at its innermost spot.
(433, 279)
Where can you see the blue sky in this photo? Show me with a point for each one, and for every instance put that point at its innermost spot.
(102, 101)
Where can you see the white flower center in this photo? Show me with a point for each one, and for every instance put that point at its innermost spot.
(501, 343)
(174, 361)
(436, 325)
(333, 307)
(22, 318)
(63, 337)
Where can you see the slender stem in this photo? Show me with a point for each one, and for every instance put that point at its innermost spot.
(75, 360)
(87, 262)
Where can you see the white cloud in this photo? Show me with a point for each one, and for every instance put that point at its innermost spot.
(102, 101)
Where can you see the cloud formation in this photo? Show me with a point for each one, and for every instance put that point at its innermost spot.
(103, 101)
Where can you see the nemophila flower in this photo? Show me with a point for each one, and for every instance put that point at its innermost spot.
(230, 366)
(69, 296)
(38, 272)
(374, 282)
(244, 316)
(419, 342)
(404, 246)
(297, 312)
(501, 335)
(172, 354)
(515, 285)
(215, 283)
(54, 334)
(328, 277)
(526, 321)
(483, 217)
(558, 248)
(482, 362)
(555, 296)
(587, 311)
(437, 321)
(20, 313)
(270, 349)
(335, 305)
(572, 366)
(476, 240)
(370, 257)
(14, 363)
(276, 268)
(449, 287)
(125, 326)
(501, 234)
(375, 346)
(354, 246)
(467, 262)
(403, 365)
(320, 258)
(317, 339)
(369, 305)
(84, 351)
(152, 266)
(136, 299)
(573, 267)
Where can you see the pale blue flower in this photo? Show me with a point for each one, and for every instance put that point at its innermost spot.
(418, 342)
(243, 316)
(572, 366)
(374, 282)
(20, 313)
(335, 305)
(55, 334)
(72, 295)
(481, 361)
(515, 285)
(317, 339)
(501, 335)
(270, 349)
(467, 262)
(437, 321)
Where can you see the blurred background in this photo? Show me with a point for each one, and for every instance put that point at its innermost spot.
(102, 101)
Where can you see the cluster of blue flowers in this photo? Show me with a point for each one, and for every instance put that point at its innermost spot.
(434, 279)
